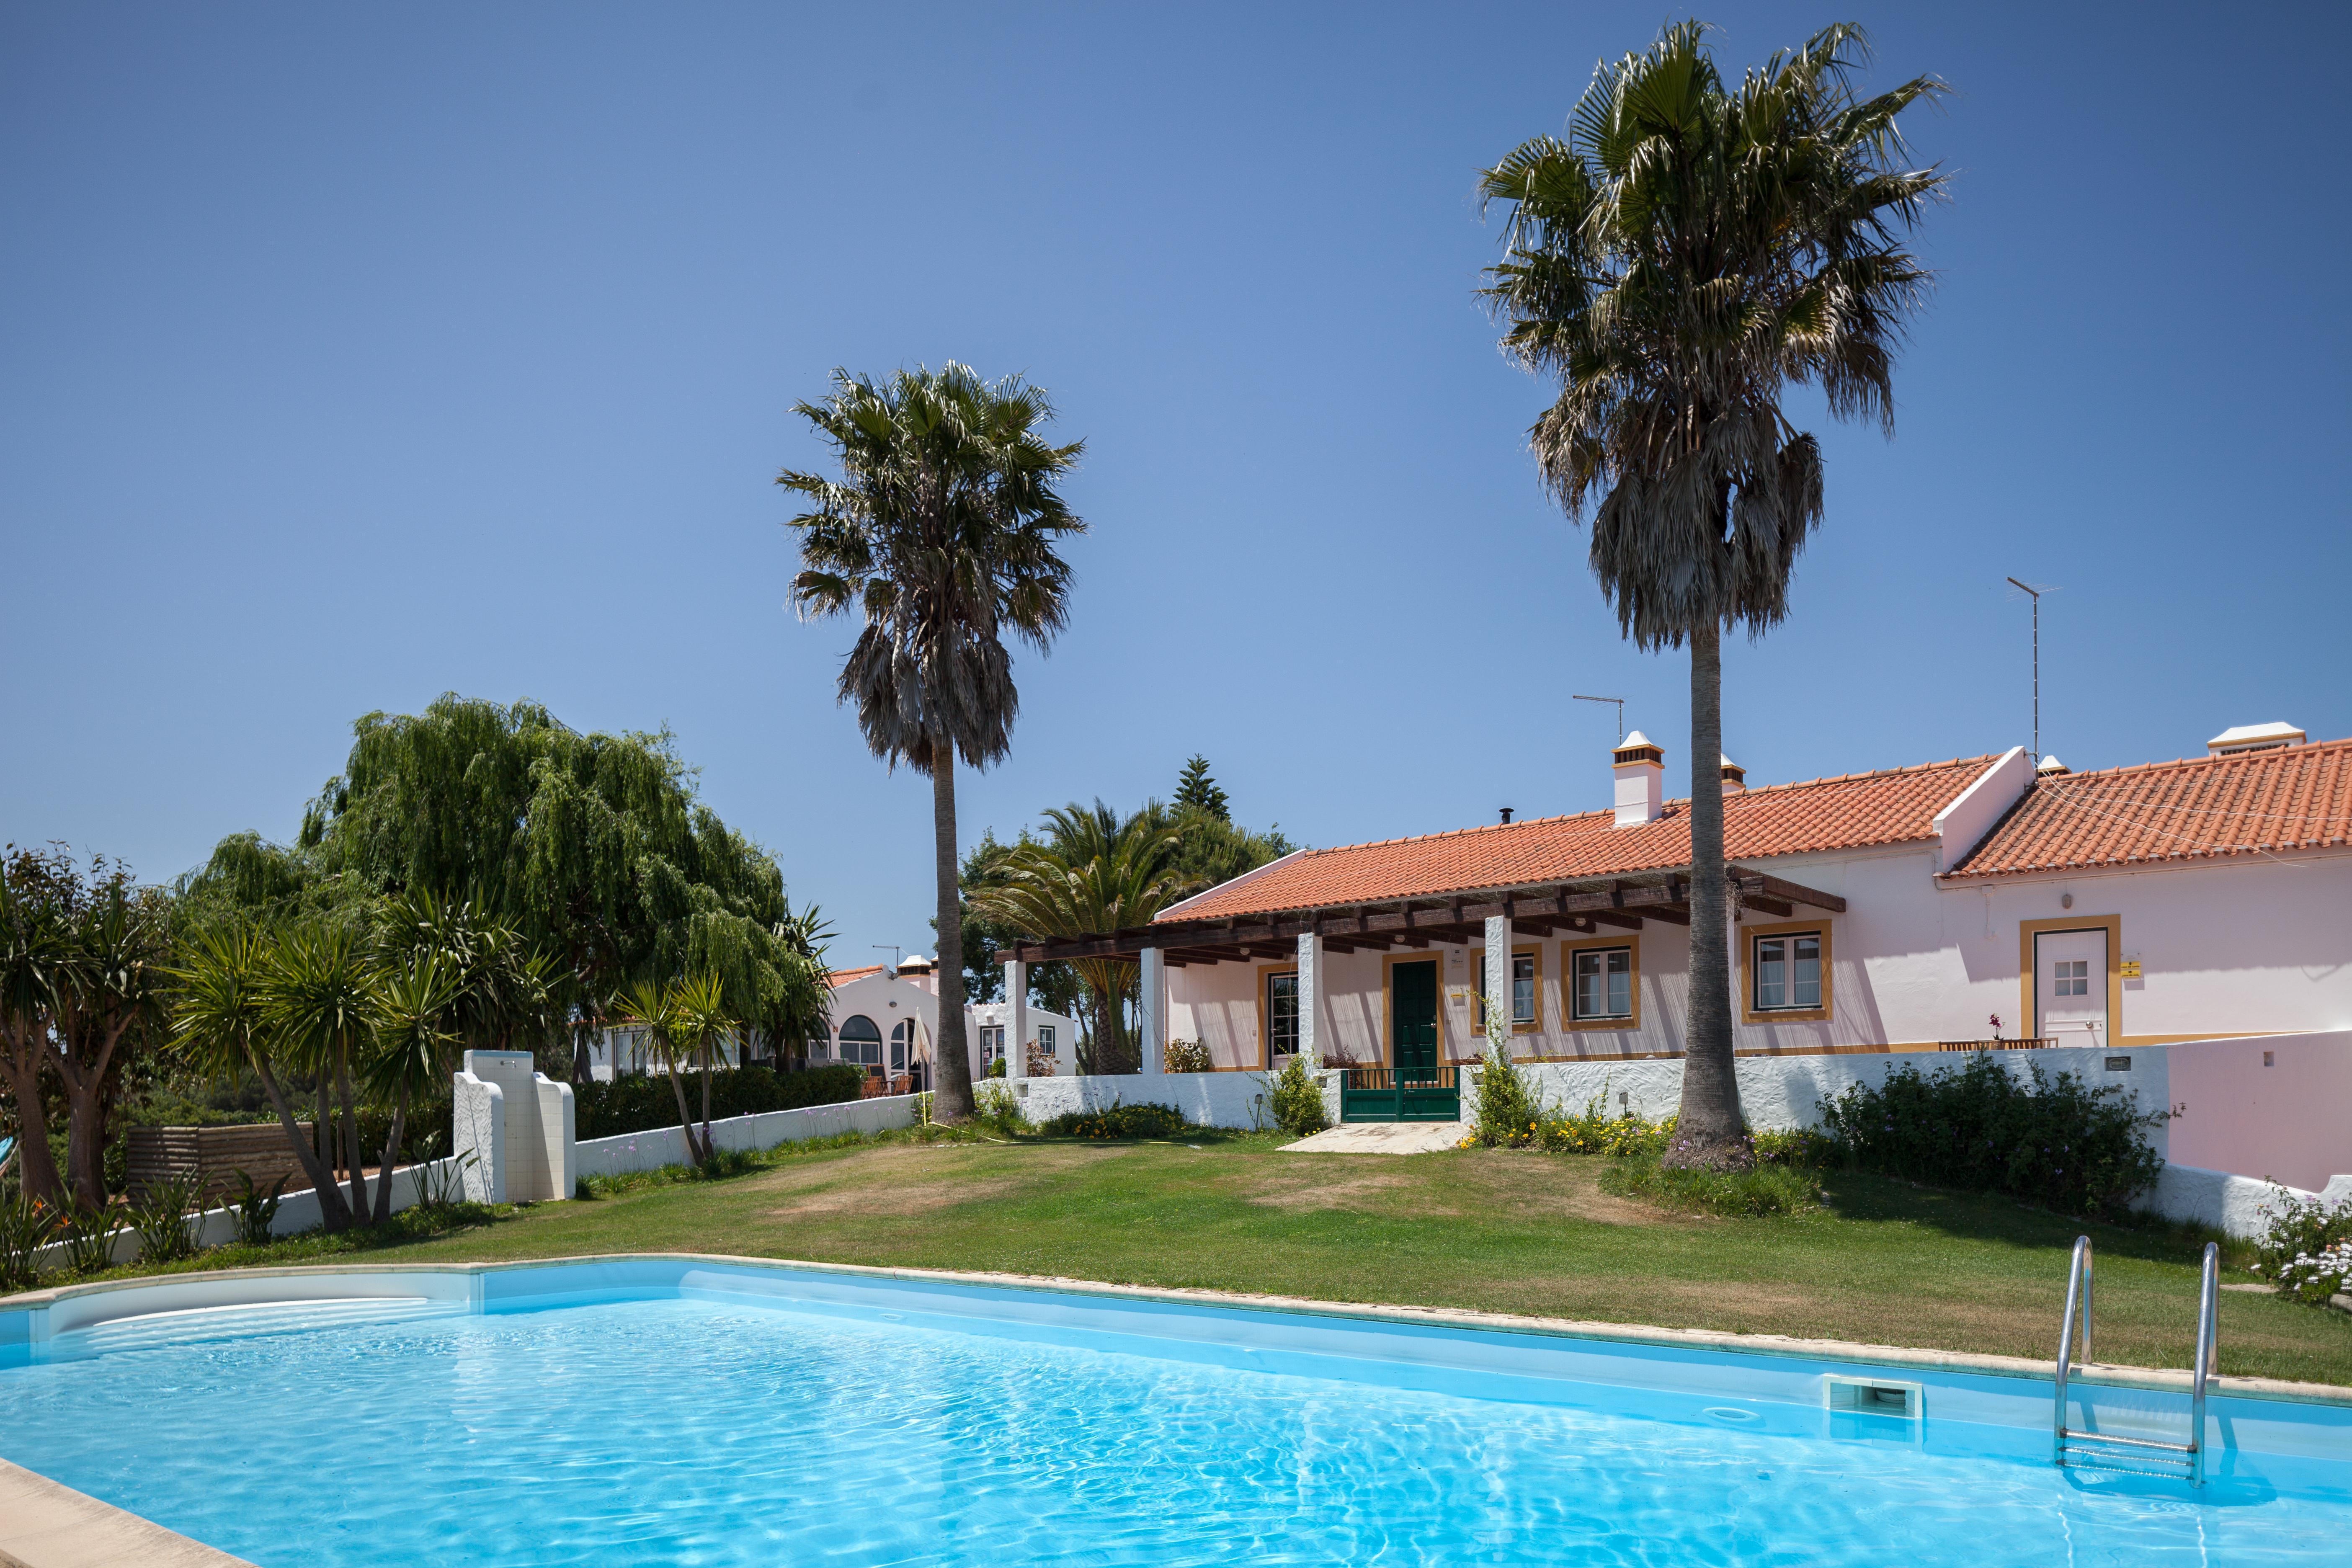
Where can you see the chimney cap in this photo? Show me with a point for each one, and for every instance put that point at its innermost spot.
(1636, 748)
(2050, 767)
(2255, 738)
(1733, 774)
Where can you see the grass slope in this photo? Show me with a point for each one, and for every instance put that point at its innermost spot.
(1881, 1261)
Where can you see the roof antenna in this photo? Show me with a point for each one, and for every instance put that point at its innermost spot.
(1620, 712)
(2034, 593)
(894, 950)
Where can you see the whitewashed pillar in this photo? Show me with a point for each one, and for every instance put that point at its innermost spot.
(1153, 1010)
(1016, 1018)
(1498, 973)
(1310, 998)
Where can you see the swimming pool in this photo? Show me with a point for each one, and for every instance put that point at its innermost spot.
(664, 1411)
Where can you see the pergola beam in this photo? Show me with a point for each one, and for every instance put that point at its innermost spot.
(1620, 903)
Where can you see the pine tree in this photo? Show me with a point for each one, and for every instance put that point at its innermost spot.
(1196, 790)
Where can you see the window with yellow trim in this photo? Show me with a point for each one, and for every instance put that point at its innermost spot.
(1785, 973)
(1526, 976)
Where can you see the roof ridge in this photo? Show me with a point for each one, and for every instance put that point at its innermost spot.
(2261, 753)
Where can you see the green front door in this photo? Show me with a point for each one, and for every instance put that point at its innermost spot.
(1413, 1021)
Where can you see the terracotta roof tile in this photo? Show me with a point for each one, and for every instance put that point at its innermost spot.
(1850, 811)
(841, 977)
(2256, 801)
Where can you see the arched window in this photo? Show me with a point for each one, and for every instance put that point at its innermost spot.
(861, 1041)
(902, 1036)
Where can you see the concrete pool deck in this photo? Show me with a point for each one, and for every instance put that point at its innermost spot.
(45, 1525)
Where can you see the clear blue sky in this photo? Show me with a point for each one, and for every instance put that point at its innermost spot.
(354, 354)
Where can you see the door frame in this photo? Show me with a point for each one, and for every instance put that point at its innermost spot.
(2029, 970)
(1388, 1001)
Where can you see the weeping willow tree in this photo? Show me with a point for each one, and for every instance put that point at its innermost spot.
(593, 847)
(1690, 251)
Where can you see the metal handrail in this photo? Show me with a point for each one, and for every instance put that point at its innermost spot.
(2078, 1304)
(2208, 1362)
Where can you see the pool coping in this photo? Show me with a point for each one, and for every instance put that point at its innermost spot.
(2101, 1376)
(47, 1524)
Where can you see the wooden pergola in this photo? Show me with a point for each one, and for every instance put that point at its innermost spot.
(1588, 906)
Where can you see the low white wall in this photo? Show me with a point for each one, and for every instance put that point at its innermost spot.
(297, 1212)
(626, 1152)
(1240, 1099)
(2238, 1205)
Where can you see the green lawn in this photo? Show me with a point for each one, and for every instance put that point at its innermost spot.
(1508, 1232)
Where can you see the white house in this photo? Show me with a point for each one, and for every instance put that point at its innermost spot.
(1948, 903)
(885, 1019)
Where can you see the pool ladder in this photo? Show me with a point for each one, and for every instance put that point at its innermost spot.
(2098, 1450)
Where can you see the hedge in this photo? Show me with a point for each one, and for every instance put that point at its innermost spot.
(642, 1102)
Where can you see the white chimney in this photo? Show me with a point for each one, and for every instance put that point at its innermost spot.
(1641, 770)
(2254, 737)
(1734, 777)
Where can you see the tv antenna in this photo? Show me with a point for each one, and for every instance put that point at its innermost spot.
(894, 950)
(2034, 593)
(1620, 712)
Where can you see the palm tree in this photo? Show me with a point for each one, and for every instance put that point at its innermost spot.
(1091, 875)
(671, 1037)
(220, 1027)
(320, 1004)
(1687, 252)
(941, 532)
(417, 1004)
(702, 1021)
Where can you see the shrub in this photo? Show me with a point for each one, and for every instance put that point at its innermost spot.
(1509, 1116)
(996, 1068)
(1185, 1055)
(642, 1102)
(1119, 1122)
(2306, 1253)
(26, 1224)
(89, 1241)
(996, 1108)
(256, 1211)
(1627, 1135)
(1759, 1193)
(2048, 1140)
(165, 1218)
(1799, 1148)
(1298, 1100)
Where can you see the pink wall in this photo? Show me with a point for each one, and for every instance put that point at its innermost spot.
(2291, 1121)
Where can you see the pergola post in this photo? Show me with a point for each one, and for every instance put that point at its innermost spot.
(1498, 973)
(1016, 1023)
(1152, 1009)
(1311, 997)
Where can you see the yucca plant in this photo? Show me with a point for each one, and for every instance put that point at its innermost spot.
(88, 1240)
(27, 1226)
(255, 1210)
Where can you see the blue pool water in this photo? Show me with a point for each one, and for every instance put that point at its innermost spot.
(726, 1431)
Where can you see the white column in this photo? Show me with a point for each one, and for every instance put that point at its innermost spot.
(1310, 998)
(1498, 973)
(1154, 1010)
(1016, 1019)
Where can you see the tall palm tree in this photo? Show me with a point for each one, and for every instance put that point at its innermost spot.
(702, 1023)
(941, 532)
(417, 1006)
(1092, 874)
(1690, 250)
(672, 1035)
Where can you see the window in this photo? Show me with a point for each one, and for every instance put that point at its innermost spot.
(1788, 972)
(1045, 1037)
(1524, 973)
(1602, 981)
(819, 1049)
(902, 1035)
(861, 1042)
(992, 1043)
(1282, 1014)
(2073, 977)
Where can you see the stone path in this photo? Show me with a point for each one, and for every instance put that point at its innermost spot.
(1380, 1138)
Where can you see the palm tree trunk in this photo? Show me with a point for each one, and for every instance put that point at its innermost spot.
(1709, 1132)
(706, 1094)
(351, 1150)
(391, 1159)
(331, 1212)
(952, 1099)
(694, 1152)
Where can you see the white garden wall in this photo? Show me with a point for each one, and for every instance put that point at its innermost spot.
(1240, 1099)
(627, 1153)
